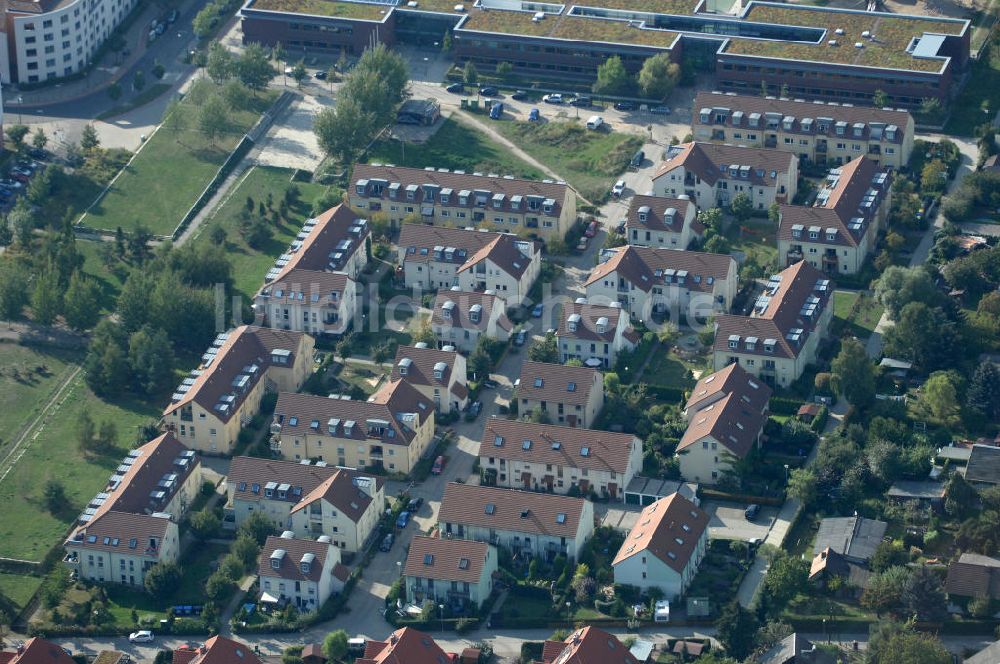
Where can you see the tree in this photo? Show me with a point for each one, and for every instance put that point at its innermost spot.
(345, 347)
(162, 579)
(17, 133)
(983, 394)
(939, 399)
(741, 206)
(39, 140)
(344, 130)
(896, 643)
(424, 333)
(106, 366)
(787, 576)
(115, 91)
(257, 527)
(46, 298)
(235, 94)
(470, 75)
(246, 549)
(735, 629)
(612, 78)
(880, 99)
(335, 645)
(547, 350)
(802, 485)
(89, 140)
(886, 555)
(504, 68)
(175, 118)
(22, 220)
(933, 176)
(220, 63)
(711, 219)
(213, 118)
(13, 290)
(205, 20)
(253, 67)
(855, 373)
(74, 154)
(885, 590)
(659, 76)
(205, 524)
(299, 72)
(138, 80)
(899, 286)
(771, 633)
(151, 359)
(107, 435)
(924, 336)
(158, 70)
(924, 597)
(55, 498)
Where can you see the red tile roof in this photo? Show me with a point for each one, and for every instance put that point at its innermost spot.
(669, 529)
(334, 228)
(464, 301)
(446, 559)
(730, 421)
(39, 651)
(556, 445)
(307, 285)
(504, 253)
(296, 551)
(654, 266)
(220, 650)
(588, 645)
(511, 510)
(657, 217)
(558, 383)
(342, 491)
(587, 323)
(710, 161)
(406, 646)
(420, 369)
(732, 378)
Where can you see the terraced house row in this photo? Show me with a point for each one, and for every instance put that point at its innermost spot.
(814, 52)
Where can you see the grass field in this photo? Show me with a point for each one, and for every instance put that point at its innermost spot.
(167, 176)
(862, 323)
(757, 239)
(23, 388)
(967, 111)
(249, 264)
(19, 588)
(454, 145)
(27, 528)
(589, 160)
(665, 369)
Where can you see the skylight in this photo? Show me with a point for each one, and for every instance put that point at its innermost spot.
(463, 563)
(490, 508)
(560, 518)
(428, 558)
(539, 382)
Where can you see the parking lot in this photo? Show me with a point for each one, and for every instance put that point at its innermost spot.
(726, 519)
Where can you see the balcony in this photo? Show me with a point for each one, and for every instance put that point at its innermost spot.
(821, 146)
(71, 559)
(275, 444)
(622, 287)
(771, 141)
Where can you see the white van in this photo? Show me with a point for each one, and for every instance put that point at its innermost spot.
(357, 644)
(595, 122)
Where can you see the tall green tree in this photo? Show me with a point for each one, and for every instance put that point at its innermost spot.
(299, 73)
(613, 78)
(55, 497)
(220, 63)
(344, 130)
(900, 643)
(162, 579)
(335, 645)
(89, 140)
(899, 286)
(885, 590)
(133, 306)
(106, 364)
(254, 68)
(926, 337)
(983, 394)
(741, 207)
(855, 373)
(39, 140)
(151, 360)
(787, 576)
(938, 400)
(17, 133)
(81, 307)
(175, 117)
(470, 75)
(13, 290)
(213, 118)
(923, 595)
(736, 629)
(659, 76)
(46, 298)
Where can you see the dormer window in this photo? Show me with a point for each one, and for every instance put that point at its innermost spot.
(751, 343)
(475, 313)
(831, 234)
(411, 192)
(393, 190)
(572, 322)
(813, 232)
(361, 187)
(797, 230)
(644, 213)
(548, 205)
(734, 341)
(404, 366)
(439, 370)
(447, 308)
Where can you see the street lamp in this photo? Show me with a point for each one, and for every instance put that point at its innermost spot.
(20, 101)
(441, 609)
(786, 473)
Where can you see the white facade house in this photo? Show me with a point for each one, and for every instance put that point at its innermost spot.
(449, 571)
(439, 375)
(594, 334)
(300, 572)
(460, 317)
(658, 221)
(665, 547)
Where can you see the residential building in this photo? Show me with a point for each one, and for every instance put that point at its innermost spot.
(726, 415)
(390, 431)
(313, 286)
(526, 523)
(658, 221)
(594, 334)
(983, 467)
(830, 133)
(460, 317)
(308, 499)
(210, 407)
(132, 524)
(573, 396)
(851, 536)
(217, 650)
(587, 645)
(451, 571)
(796, 649)
(665, 547)
(657, 282)
(827, 565)
(558, 459)
(45, 40)
(300, 572)
(36, 651)
(528, 208)
(437, 257)
(438, 375)
(923, 493)
(845, 55)
(408, 646)
(781, 335)
(712, 175)
(839, 231)
(974, 575)
(988, 655)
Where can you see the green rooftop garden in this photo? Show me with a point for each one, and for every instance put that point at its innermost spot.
(678, 7)
(567, 27)
(355, 10)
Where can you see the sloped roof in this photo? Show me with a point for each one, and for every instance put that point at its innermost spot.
(421, 365)
(586, 325)
(656, 214)
(220, 650)
(984, 464)
(247, 472)
(511, 510)
(342, 491)
(334, 229)
(502, 252)
(557, 445)
(974, 575)
(419, 241)
(658, 266)
(295, 550)
(730, 421)
(406, 646)
(709, 162)
(588, 645)
(669, 529)
(852, 536)
(446, 559)
(731, 379)
(558, 383)
(39, 651)
(988, 655)
(306, 285)
(464, 301)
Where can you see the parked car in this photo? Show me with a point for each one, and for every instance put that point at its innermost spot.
(520, 337)
(583, 243)
(620, 228)
(402, 519)
(320, 75)
(618, 189)
(289, 71)
(20, 176)
(638, 158)
(172, 16)
(591, 229)
(475, 408)
(624, 106)
(536, 311)
(387, 542)
(660, 110)
(554, 98)
(534, 115)
(142, 636)
(456, 88)
(519, 95)
(496, 112)
(437, 467)
(582, 102)
(490, 383)
(488, 91)
(595, 122)
(414, 505)
(22, 170)
(10, 184)
(751, 512)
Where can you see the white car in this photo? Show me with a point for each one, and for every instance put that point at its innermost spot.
(554, 98)
(618, 189)
(142, 636)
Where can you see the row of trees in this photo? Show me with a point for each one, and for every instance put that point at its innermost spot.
(656, 80)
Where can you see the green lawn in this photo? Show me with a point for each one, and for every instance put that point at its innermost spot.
(454, 146)
(27, 528)
(665, 369)
(589, 160)
(861, 323)
(19, 588)
(967, 111)
(109, 278)
(28, 377)
(170, 172)
(756, 238)
(249, 264)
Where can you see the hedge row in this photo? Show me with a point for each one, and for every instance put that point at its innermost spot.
(665, 392)
(785, 405)
(716, 494)
(181, 627)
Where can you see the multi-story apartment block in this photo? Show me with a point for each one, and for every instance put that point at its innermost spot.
(313, 286)
(528, 208)
(434, 257)
(820, 133)
(657, 221)
(573, 396)
(460, 317)
(211, 406)
(587, 645)
(308, 499)
(544, 457)
(450, 571)
(594, 334)
(49, 39)
(726, 414)
(132, 524)
(390, 431)
(652, 282)
(300, 572)
(839, 231)
(665, 547)
(781, 335)
(712, 175)
(526, 523)
(439, 375)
